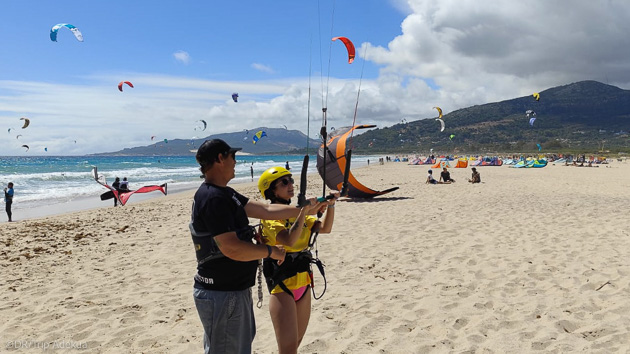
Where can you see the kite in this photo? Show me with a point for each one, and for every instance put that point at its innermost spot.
(439, 111)
(259, 135)
(75, 31)
(204, 124)
(26, 122)
(536, 96)
(529, 113)
(235, 97)
(46, 149)
(152, 137)
(335, 165)
(441, 123)
(25, 146)
(123, 196)
(349, 47)
(531, 121)
(166, 141)
(9, 130)
(539, 147)
(18, 136)
(120, 85)
(451, 137)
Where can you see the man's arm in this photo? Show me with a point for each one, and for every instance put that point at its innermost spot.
(234, 248)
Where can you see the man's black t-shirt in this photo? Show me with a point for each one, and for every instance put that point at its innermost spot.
(217, 210)
(446, 176)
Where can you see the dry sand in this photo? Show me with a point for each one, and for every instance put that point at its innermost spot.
(531, 260)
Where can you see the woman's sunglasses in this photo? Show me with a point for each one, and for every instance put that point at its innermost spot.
(286, 181)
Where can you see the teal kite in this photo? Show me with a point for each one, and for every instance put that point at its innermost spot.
(75, 31)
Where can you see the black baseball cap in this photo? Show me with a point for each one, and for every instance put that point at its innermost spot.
(210, 150)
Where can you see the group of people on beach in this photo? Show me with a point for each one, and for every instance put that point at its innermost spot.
(120, 186)
(445, 177)
(228, 252)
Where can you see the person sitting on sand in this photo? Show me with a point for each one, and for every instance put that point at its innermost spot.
(431, 180)
(289, 282)
(476, 177)
(446, 176)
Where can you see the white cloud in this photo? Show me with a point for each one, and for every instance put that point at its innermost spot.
(182, 56)
(263, 68)
(450, 53)
(477, 52)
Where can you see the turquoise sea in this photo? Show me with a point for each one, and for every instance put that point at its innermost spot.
(50, 180)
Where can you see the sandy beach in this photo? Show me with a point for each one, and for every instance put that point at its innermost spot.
(530, 260)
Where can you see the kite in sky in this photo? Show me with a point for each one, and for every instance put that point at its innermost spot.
(120, 85)
(441, 124)
(26, 122)
(235, 97)
(439, 111)
(55, 29)
(259, 135)
(349, 47)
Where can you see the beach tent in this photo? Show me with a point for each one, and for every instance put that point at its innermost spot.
(461, 163)
(441, 164)
(531, 164)
(491, 161)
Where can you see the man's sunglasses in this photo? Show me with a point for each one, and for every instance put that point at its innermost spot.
(286, 181)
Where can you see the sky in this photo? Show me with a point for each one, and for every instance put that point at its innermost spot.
(185, 59)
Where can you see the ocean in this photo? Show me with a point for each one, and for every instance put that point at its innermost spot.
(47, 182)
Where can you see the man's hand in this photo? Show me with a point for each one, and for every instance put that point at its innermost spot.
(278, 252)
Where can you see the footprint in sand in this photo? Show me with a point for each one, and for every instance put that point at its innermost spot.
(460, 323)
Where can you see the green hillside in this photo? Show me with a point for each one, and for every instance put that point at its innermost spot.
(581, 116)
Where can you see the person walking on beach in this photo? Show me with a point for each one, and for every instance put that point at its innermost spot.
(287, 166)
(289, 282)
(116, 186)
(251, 170)
(227, 259)
(8, 199)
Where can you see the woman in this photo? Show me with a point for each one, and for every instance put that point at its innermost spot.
(289, 283)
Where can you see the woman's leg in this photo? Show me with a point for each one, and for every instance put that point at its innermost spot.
(283, 310)
(303, 314)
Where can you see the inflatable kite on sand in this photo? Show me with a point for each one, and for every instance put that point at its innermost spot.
(332, 170)
(123, 196)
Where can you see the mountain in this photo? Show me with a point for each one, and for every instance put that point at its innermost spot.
(278, 140)
(582, 116)
(585, 116)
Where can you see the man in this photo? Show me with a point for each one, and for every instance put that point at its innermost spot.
(227, 259)
(116, 186)
(446, 176)
(476, 178)
(8, 199)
